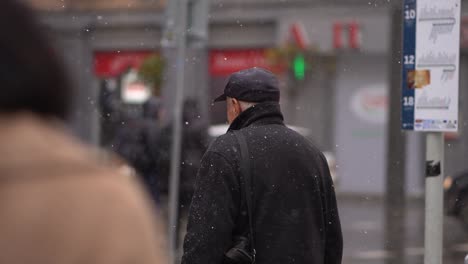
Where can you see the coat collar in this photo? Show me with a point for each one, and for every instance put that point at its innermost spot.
(260, 114)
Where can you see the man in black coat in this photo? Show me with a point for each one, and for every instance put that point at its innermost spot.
(295, 214)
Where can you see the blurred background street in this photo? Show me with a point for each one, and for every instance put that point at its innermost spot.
(365, 238)
(145, 74)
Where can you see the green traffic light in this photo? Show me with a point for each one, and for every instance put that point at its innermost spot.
(299, 66)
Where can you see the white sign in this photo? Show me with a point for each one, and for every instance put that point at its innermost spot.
(370, 104)
(431, 65)
(134, 91)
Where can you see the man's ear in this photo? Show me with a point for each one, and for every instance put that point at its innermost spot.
(237, 106)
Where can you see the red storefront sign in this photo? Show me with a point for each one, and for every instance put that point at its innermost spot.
(347, 35)
(225, 62)
(222, 62)
(299, 35)
(113, 63)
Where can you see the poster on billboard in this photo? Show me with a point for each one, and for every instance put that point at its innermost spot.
(430, 59)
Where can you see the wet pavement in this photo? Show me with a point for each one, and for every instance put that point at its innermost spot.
(363, 223)
(364, 233)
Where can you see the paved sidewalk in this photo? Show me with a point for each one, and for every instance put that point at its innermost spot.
(364, 233)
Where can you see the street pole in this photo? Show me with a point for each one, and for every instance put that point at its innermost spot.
(198, 45)
(179, 30)
(186, 26)
(433, 240)
(395, 191)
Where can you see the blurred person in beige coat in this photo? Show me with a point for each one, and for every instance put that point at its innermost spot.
(58, 203)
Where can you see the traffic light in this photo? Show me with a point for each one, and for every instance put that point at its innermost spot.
(299, 67)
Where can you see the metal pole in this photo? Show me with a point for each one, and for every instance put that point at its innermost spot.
(198, 43)
(177, 132)
(395, 191)
(433, 239)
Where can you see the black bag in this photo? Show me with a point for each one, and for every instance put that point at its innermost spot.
(243, 251)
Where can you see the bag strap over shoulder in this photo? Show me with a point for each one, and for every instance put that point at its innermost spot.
(245, 166)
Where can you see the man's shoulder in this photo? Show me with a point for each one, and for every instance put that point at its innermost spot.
(294, 139)
(223, 144)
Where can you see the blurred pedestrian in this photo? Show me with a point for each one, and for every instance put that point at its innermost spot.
(264, 193)
(136, 140)
(194, 143)
(57, 203)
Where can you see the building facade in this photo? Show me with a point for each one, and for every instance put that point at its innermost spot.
(342, 99)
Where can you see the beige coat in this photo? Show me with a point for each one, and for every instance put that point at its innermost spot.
(59, 205)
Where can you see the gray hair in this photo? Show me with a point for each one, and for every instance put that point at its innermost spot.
(246, 105)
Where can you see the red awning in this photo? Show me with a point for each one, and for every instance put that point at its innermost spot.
(225, 62)
(113, 63)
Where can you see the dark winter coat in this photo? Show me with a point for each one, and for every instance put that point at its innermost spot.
(295, 212)
(137, 143)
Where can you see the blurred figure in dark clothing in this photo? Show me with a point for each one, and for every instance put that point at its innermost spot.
(58, 204)
(110, 107)
(136, 140)
(194, 144)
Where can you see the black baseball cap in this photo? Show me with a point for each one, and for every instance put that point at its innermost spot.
(254, 85)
